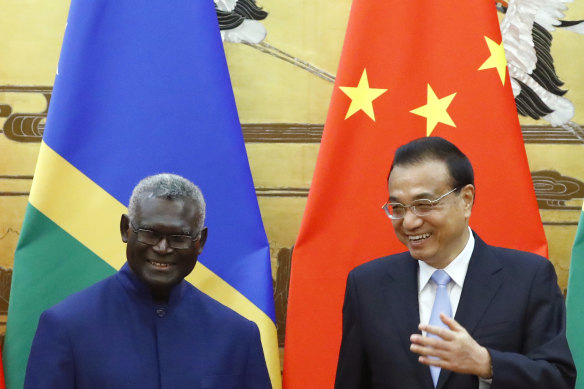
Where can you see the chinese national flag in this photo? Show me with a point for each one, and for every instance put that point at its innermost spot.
(408, 69)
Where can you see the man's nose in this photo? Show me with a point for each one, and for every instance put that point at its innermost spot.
(411, 220)
(162, 246)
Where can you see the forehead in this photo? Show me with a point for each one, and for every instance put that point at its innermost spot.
(154, 211)
(419, 180)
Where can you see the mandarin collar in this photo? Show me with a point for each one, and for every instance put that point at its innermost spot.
(134, 285)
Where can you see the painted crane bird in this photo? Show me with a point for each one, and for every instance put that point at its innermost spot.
(526, 29)
(238, 21)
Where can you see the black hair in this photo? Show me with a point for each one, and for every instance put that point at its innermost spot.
(436, 149)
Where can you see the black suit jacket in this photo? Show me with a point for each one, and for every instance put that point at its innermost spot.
(510, 303)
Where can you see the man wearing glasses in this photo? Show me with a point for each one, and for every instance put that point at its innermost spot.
(145, 326)
(452, 312)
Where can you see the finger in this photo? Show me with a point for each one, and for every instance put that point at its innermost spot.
(441, 332)
(426, 341)
(451, 323)
(424, 351)
(429, 346)
(433, 362)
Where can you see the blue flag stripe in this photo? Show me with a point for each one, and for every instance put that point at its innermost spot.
(143, 88)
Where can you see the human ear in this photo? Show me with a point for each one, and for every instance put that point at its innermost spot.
(202, 240)
(467, 193)
(124, 227)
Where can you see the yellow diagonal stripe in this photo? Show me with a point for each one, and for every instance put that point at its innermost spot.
(214, 286)
(79, 206)
(91, 215)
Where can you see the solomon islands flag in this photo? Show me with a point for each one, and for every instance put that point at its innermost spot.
(142, 87)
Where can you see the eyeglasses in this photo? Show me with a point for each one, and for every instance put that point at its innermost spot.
(152, 238)
(421, 207)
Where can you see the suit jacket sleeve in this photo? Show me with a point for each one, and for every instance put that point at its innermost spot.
(256, 375)
(352, 367)
(545, 361)
(50, 364)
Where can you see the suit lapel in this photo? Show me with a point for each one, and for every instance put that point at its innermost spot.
(401, 296)
(483, 280)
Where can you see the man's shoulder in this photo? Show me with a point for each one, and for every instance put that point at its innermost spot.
(212, 309)
(378, 266)
(517, 255)
(82, 302)
(514, 258)
(516, 265)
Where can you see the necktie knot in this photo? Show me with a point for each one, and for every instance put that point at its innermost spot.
(440, 278)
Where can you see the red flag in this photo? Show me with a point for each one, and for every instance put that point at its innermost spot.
(2, 382)
(408, 69)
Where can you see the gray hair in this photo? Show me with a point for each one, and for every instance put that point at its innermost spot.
(171, 187)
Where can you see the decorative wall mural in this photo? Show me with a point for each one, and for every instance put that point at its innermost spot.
(554, 135)
(527, 39)
(239, 21)
(282, 285)
(24, 126)
(555, 191)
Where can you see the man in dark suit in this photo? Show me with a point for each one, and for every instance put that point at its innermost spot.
(452, 312)
(145, 327)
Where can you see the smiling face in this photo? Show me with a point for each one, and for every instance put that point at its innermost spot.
(161, 266)
(436, 238)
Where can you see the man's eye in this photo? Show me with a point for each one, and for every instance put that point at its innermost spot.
(423, 206)
(179, 238)
(149, 233)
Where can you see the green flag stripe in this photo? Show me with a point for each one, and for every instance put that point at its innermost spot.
(34, 274)
(575, 303)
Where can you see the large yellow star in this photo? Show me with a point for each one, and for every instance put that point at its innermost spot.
(435, 111)
(362, 97)
(497, 59)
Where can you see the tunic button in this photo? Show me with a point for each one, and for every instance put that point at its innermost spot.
(161, 312)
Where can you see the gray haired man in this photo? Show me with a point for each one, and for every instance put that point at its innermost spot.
(145, 326)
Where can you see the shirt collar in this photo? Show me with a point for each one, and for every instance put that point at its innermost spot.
(455, 269)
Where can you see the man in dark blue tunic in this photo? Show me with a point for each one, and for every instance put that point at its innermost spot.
(146, 327)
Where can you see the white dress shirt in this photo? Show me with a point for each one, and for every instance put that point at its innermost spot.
(427, 290)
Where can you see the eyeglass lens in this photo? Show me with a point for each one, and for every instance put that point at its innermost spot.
(152, 238)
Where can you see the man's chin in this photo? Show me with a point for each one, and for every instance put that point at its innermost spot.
(418, 253)
(421, 255)
(161, 280)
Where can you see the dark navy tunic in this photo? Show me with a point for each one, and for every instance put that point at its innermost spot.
(113, 335)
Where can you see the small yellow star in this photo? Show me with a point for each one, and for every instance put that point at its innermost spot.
(435, 111)
(362, 97)
(497, 59)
